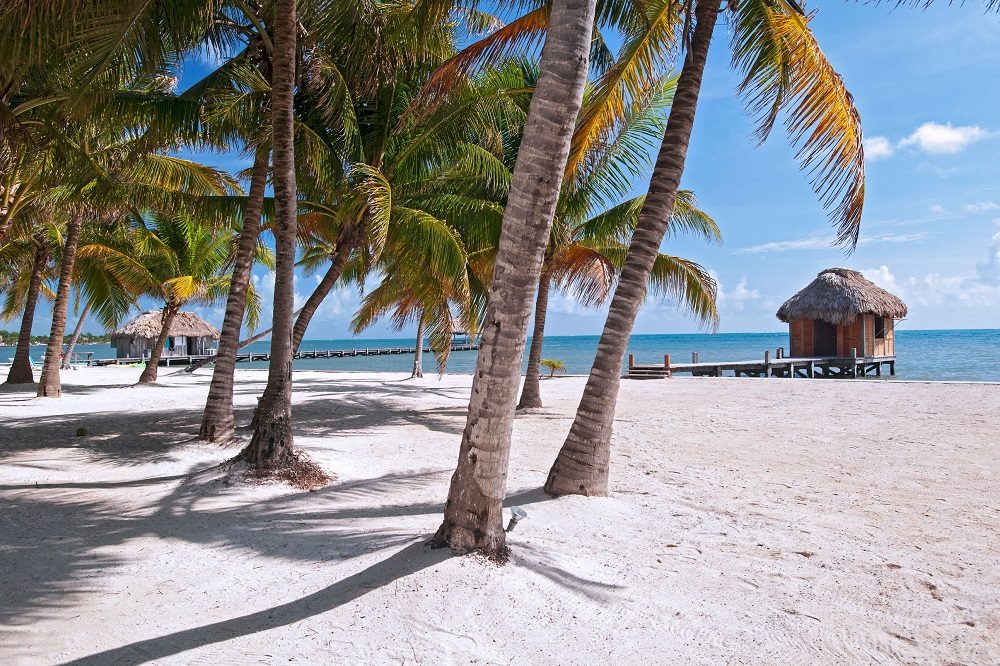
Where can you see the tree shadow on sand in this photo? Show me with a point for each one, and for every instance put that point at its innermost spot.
(61, 541)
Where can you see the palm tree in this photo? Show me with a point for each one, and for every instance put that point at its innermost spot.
(784, 68)
(184, 263)
(473, 511)
(271, 444)
(592, 227)
(25, 267)
(218, 421)
(587, 258)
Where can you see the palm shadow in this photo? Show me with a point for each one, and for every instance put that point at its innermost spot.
(411, 559)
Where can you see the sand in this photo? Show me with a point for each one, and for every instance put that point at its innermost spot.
(750, 521)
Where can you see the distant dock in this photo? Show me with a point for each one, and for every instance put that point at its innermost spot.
(832, 367)
(247, 357)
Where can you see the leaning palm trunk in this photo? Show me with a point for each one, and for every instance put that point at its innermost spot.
(531, 395)
(473, 512)
(582, 464)
(68, 357)
(49, 384)
(418, 351)
(260, 335)
(271, 444)
(333, 273)
(20, 367)
(152, 365)
(218, 422)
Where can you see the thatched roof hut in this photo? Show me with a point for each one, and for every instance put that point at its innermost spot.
(839, 311)
(189, 335)
(838, 296)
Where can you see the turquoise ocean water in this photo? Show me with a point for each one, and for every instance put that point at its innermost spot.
(965, 355)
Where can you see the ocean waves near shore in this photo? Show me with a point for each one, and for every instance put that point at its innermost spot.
(955, 355)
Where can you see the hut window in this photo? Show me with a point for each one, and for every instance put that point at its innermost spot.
(879, 327)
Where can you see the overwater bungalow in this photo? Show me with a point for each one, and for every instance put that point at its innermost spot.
(840, 313)
(189, 335)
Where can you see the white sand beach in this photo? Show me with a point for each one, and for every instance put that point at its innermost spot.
(751, 521)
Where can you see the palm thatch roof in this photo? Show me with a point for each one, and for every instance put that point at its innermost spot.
(838, 296)
(147, 325)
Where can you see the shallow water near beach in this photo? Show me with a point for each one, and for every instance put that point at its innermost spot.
(953, 355)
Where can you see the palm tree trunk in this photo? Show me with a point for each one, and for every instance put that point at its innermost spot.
(473, 512)
(68, 357)
(259, 335)
(582, 464)
(49, 384)
(418, 352)
(20, 367)
(271, 444)
(336, 269)
(531, 395)
(218, 423)
(152, 365)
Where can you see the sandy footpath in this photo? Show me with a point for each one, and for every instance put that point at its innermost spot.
(751, 521)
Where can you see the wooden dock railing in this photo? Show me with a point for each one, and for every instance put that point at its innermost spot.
(843, 367)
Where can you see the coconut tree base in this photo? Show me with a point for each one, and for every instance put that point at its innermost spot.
(217, 430)
(296, 470)
(569, 477)
(529, 402)
(464, 541)
(20, 376)
(475, 527)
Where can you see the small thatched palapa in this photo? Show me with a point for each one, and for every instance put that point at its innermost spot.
(189, 335)
(841, 311)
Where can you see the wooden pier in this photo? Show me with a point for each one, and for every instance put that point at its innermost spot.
(833, 367)
(246, 357)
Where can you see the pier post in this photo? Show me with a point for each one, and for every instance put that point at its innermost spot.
(694, 357)
(767, 363)
(666, 364)
(854, 362)
(631, 361)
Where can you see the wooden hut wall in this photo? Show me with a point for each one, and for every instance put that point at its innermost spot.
(800, 337)
(848, 337)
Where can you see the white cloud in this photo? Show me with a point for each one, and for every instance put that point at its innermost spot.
(815, 243)
(826, 242)
(936, 209)
(935, 289)
(988, 272)
(736, 298)
(878, 148)
(941, 139)
(981, 207)
(563, 303)
(884, 278)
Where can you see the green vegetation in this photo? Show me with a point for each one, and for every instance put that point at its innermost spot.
(9, 338)
(423, 152)
(552, 365)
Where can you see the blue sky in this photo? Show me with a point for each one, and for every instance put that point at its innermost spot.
(926, 86)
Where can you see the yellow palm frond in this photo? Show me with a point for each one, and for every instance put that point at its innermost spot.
(785, 69)
(634, 77)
